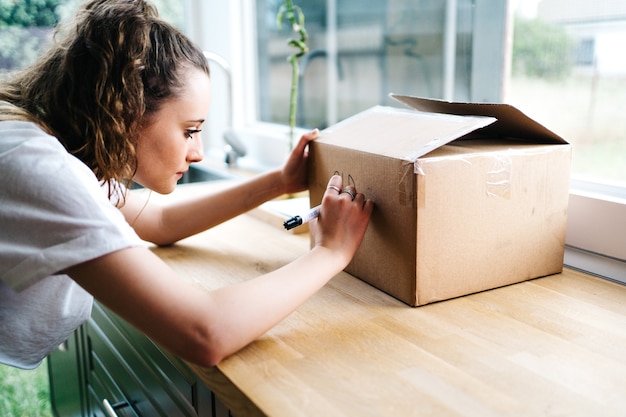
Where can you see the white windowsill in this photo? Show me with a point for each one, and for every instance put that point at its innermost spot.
(592, 263)
(596, 229)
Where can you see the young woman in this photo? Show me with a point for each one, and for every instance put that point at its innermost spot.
(122, 97)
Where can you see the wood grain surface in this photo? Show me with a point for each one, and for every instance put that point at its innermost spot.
(553, 346)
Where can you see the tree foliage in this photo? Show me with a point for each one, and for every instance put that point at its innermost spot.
(25, 27)
(29, 13)
(541, 49)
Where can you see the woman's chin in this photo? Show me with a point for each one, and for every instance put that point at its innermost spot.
(162, 188)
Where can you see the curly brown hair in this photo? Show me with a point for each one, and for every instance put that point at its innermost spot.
(108, 71)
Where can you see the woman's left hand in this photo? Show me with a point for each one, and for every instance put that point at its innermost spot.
(294, 172)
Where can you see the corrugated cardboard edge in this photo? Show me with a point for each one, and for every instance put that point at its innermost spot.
(511, 122)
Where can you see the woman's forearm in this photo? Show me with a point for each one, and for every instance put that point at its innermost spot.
(202, 326)
(269, 299)
(205, 327)
(169, 223)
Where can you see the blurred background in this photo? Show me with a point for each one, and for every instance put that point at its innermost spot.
(560, 61)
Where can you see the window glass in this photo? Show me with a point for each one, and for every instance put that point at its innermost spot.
(567, 69)
(375, 48)
(569, 72)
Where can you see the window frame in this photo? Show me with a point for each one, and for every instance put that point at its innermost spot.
(596, 227)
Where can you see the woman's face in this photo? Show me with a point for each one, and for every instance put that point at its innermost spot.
(170, 142)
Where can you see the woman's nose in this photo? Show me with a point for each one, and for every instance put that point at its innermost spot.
(195, 152)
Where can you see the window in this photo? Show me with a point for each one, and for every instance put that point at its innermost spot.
(358, 55)
(569, 73)
(585, 53)
(565, 69)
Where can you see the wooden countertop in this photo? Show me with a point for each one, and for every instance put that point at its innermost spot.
(553, 346)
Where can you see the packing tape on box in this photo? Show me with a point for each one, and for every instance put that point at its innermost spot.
(499, 177)
(405, 184)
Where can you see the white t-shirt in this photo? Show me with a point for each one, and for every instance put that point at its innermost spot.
(54, 214)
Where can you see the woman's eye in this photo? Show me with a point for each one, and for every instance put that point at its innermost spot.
(190, 132)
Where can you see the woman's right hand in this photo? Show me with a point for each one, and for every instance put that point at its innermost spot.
(343, 219)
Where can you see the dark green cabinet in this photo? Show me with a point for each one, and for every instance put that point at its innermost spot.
(108, 368)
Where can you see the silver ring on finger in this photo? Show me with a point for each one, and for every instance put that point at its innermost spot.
(347, 191)
(332, 187)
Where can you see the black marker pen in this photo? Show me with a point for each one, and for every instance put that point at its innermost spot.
(296, 221)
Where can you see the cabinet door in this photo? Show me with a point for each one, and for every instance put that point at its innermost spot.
(67, 384)
(107, 367)
(104, 397)
(127, 369)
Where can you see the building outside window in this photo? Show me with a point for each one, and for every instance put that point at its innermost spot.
(578, 88)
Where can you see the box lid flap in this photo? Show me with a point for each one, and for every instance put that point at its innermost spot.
(400, 133)
(512, 123)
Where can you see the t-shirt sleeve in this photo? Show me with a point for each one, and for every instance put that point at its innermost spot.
(54, 213)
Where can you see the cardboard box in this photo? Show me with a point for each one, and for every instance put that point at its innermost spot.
(468, 197)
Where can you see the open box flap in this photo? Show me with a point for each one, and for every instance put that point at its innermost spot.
(400, 133)
(512, 123)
